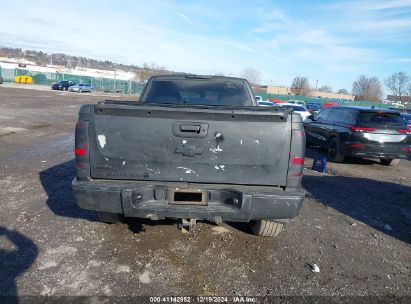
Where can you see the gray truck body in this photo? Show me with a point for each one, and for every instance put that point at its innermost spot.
(229, 163)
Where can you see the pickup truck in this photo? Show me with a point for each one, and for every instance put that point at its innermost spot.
(193, 147)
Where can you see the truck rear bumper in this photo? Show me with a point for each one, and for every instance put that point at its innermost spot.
(157, 200)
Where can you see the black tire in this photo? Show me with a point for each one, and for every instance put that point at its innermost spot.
(389, 162)
(109, 218)
(266, 228)
(1, 80)
(334, 151)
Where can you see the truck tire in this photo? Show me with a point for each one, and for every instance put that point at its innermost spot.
(109, 218)
(389, 162)
(334, 151)
(266, 228)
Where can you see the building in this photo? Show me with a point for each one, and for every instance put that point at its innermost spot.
(281, 90)
(403, 99)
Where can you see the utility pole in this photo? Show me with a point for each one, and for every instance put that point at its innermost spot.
(316, 83)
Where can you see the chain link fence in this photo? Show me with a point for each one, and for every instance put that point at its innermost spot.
(362, 103)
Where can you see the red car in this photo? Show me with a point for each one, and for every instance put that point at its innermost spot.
(329, 104)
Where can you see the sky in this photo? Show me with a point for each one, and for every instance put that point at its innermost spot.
(330, 41)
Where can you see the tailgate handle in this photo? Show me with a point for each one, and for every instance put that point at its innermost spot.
(190, 128)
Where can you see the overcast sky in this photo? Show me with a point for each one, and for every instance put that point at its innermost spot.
(331, 41)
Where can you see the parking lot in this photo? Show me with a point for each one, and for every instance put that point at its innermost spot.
(355, 225)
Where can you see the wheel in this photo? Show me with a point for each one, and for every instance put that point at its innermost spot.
(266, 228)
(91, 90)
(109, 218)
(389, 162)
(1, 80)
(334, 151)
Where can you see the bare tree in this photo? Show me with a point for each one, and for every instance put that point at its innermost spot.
(252, 75)
(397, 83)
(148, 70)
(365, 88)
(325, 89)
(300, 85)
(343, 91)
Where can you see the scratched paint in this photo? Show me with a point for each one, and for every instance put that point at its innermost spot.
(188, 170)
(216, 150)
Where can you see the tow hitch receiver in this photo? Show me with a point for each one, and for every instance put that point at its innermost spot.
(188, 196)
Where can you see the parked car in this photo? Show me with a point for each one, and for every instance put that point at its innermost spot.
(402, 110)
(360, 132)
(298, 102)
(81, 87)
(314, 108)
(62, 85)
(276, 100)
(407, 119)
(258, 98)
(298, 109)
(194, 147)
(268, 104)
(329, 104)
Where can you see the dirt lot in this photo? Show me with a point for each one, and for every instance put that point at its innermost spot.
(355, 225)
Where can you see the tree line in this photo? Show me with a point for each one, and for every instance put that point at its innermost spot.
(364, 88)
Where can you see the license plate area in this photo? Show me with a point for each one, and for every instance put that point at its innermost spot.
(188, 197)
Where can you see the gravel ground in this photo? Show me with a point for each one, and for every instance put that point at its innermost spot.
(355, 225)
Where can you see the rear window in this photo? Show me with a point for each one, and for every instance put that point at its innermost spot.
(370, 118)
(198, 92)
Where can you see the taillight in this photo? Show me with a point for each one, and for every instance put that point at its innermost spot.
(297, 152)
(357, 146)
(404, 131)
(297, 160)
(362, 129)
(407, 149)
(80, 151)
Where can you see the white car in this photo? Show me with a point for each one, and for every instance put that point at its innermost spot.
(258, 98)
(298, 109)
(298, 102)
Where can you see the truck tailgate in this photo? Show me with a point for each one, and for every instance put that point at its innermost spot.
(188, 144)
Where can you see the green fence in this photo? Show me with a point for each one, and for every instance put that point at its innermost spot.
(307, 99)
(98, 83)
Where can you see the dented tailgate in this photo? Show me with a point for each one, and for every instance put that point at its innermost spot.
(188, 144)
